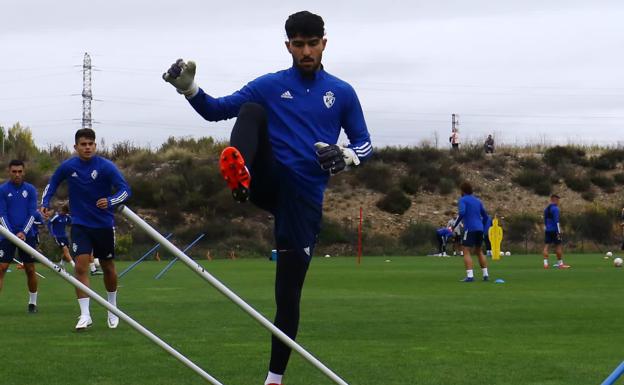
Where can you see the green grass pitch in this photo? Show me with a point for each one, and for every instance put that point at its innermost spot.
(407, 321)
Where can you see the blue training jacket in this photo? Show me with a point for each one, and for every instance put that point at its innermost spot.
(444, 232)
(300, 111)
(88, 182)
(57, 225)
(551, 218)
(472, 213)
(18, 206)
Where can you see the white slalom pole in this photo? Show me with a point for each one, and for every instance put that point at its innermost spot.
(197, 268)
(79, 285)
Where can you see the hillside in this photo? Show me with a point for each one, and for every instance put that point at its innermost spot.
(405, 194)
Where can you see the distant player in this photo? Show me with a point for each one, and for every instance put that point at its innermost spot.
(18, 207)
(56, 227)
(443, 234)
(473, 215)
(552, 232)
(458, 232)
(95, 186)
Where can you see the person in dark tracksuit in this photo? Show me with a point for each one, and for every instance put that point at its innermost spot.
(282, 152)
(552, 232)
(18, 207)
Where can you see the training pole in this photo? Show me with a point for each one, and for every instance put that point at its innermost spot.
(170, 264)
(615, 375)
(142, 258)
(199, 270)
(22, 265)
(97, 298)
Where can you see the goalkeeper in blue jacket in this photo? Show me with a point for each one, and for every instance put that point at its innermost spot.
(283, 151)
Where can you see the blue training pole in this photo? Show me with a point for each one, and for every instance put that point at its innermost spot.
(143, 257)
(170, 264)
(615, 375)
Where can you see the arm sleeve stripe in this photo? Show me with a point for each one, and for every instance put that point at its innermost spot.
(120, 198)
(29, 224)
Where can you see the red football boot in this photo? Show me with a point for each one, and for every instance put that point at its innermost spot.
(235, 173)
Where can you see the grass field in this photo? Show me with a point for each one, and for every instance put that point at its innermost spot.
(407, 321)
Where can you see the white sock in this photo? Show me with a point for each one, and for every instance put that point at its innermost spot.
(485, 272)
(84, 306)
(62, 263)
(545, 262)
(112, 297)
(32, 298)
(92, 267)
(72, 263)
(273, 378)
(469, 273)
(560, 262)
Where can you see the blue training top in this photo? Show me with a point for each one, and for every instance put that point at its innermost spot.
(472, 213)
(88, 182)
(551, 218)
(57, 225)
(18, 206)
(444, 232)
(301, 111)
(38, 221)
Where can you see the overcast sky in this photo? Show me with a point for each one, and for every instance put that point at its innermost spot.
(528, 71)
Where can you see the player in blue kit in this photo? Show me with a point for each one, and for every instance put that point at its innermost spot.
(95, 186)
(18, 206)
(473, 215)
(552, 232)
(443, 234)
(56, 227)
(283, 152)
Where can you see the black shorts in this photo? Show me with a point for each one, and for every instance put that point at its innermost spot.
(62, 242)
(473, 238)
(7, 251)
(552, 238)
(87, 240)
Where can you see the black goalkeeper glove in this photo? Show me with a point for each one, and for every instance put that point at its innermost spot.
(335, 158)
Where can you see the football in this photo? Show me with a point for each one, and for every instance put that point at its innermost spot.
(502, 253)
(609, 254)
(508, 253)
(617, 262)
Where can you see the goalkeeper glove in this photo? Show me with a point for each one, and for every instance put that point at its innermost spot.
(335, 158)
(182, 76)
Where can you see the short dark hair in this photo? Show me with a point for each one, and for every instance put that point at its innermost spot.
(87, 133)
(64, 208)
(466, 188)
(306, 24)
(554, 196)
(16, 162)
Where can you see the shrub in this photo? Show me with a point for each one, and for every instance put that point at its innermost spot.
(619, 178)
(334, 232)
(579, 183)
(519, 228)
(410, 184)
(595, 224)
(604, 182)
(395, 202)
(418, 234)
(376, 176)
(123, 244)
(608, 160)
(557, 155)
(589, 195)
(446, 186)
(534, 179)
